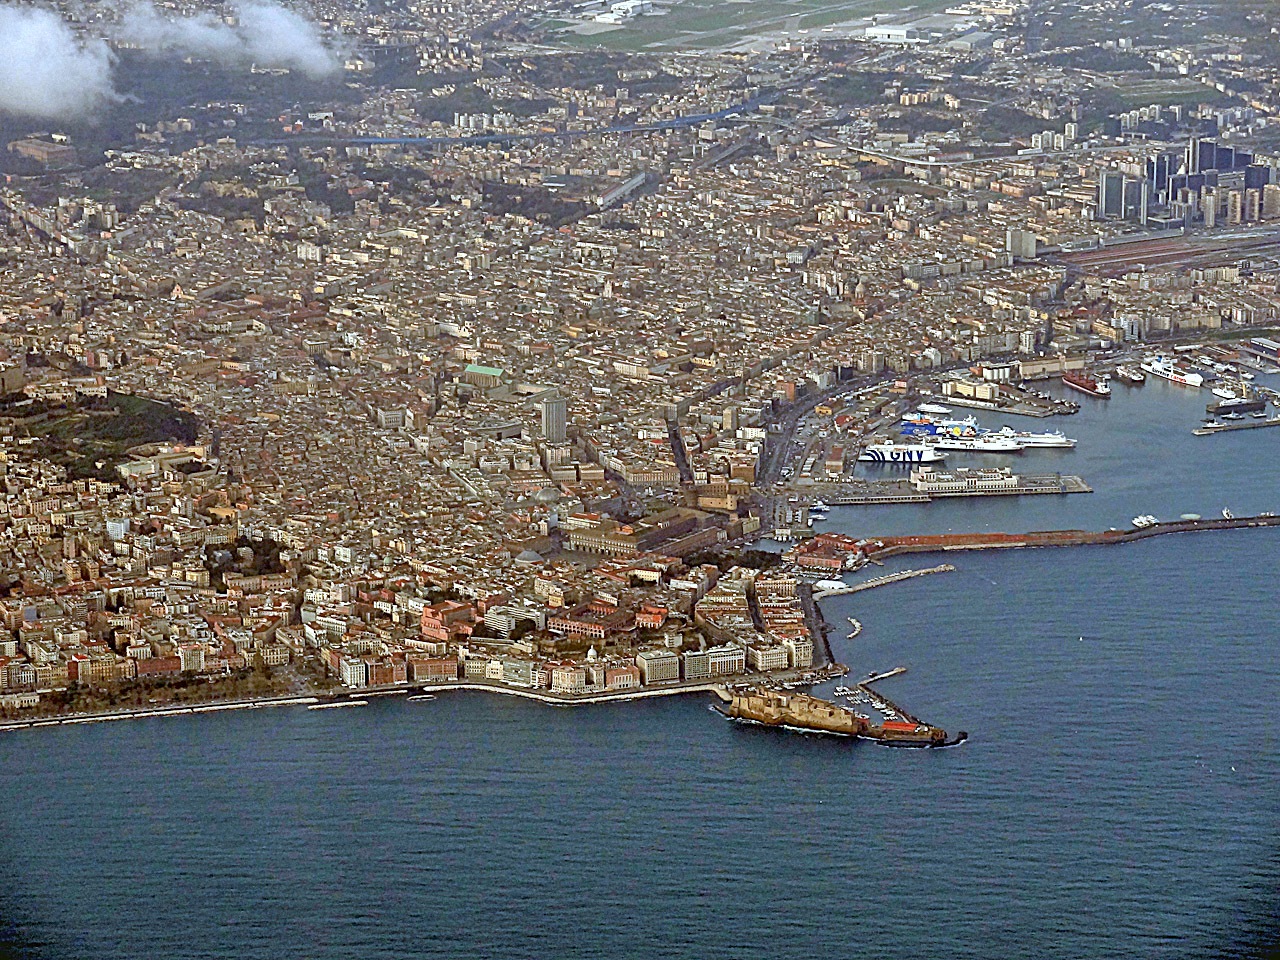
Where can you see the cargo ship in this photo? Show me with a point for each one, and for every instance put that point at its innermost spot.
(806, 714)
(1078, 380)
(889, 452)
(1165, 368)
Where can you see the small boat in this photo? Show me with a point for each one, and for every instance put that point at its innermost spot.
(1227, 514)
(420, 697)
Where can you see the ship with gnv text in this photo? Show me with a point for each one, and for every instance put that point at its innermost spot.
(890, 452)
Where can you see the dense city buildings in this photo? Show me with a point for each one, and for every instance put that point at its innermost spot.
(483, 362)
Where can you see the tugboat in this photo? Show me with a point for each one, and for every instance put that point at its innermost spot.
(1131, 374)
(1078, 380)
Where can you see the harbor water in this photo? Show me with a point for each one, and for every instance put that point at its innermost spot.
(1117, 797)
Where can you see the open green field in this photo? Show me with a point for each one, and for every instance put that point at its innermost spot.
(717, 24)
(1164, 91)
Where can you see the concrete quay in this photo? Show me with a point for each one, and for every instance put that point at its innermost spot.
(901, 491)
(1210, 429)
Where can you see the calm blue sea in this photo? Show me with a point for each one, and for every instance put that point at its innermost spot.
(1119, 797)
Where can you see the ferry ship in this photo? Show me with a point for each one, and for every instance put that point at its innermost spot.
(1164, 367)
(1077, 380)
(987, 443)
(890, 452)
(918, 425)
(1055, 438)
(933, 408)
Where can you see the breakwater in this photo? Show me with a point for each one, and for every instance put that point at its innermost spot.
(882, 547)
(885, 580)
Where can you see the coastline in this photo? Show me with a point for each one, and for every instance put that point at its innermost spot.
(258, 703)
(814, 609)
(301, 700)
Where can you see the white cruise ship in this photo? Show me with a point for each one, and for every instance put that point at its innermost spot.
(1164, 367)
(988, 443)
(1054, 438)
(890, 452)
